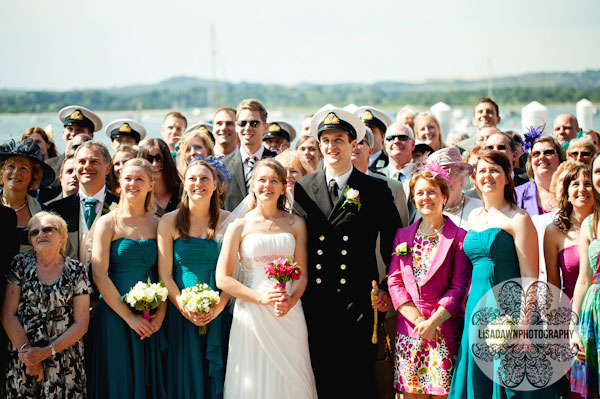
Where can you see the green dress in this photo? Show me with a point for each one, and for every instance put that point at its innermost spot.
(494, 258)
(123, 366)
(584, 376)
(194, 366)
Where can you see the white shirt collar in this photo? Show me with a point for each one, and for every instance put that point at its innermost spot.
(100, 195)
(341, 180)
(258, 154)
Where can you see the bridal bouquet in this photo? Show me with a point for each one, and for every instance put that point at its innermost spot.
(199, 298)
(146, 296)
(283, 270)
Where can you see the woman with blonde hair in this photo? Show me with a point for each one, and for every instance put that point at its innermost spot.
(189, 242)
(295, 166)
(194, 143)
(126, 356)
(428, 130)
(269, 340)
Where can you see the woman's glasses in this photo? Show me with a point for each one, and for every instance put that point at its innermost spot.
(45, 230)
(548, 153)
(152, 158)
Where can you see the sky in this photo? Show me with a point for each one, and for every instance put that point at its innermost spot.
(67, 44)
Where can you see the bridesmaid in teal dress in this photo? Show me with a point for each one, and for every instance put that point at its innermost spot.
(586, 300)
(500, 236)
(189, 243)
(126, 357)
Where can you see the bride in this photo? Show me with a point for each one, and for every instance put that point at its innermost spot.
(268, 345)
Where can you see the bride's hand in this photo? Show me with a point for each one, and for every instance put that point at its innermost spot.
(282, 307)
(271, 296)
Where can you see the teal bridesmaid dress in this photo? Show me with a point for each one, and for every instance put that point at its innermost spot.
(194, 366)
(494, 258)
(122, 365)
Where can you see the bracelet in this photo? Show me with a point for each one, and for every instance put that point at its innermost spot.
(23, 346)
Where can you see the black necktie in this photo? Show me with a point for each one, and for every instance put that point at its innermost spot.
(333, 191)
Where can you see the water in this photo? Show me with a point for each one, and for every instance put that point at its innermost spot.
(13, 125)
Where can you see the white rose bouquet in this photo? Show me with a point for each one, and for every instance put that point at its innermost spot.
(499, 333)
(146, 296)
(199, 298)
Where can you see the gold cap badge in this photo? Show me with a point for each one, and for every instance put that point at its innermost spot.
(274, 127)
(203, 129)
(331, 119)
(125, 128)
(367, 116)
(76, 116)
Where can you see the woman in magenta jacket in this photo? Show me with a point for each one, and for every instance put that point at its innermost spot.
(428, 281)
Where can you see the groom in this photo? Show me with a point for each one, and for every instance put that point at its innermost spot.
(345, 210)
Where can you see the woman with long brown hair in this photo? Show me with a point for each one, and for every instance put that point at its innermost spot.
(166, 179)
(189, 241)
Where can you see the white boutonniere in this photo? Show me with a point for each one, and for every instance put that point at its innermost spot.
(402, 249)
(352, 196)
(109, 208)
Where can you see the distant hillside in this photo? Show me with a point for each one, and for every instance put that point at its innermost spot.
(190, 92)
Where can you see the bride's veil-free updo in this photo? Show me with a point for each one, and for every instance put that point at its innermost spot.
(283, 202)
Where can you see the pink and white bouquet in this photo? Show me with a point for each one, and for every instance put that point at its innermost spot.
(146, 296)
(283, 270)
(201, 298)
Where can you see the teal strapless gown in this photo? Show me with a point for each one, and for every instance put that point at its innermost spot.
(194, 367)
(494, 258)
(122, 365)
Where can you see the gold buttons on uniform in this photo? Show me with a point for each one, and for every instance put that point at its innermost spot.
(320, 252)
(344, 252)
(343, 281)
(318, 266)
(318, 281)
(321, 238)
(345, 238)
(343, 267)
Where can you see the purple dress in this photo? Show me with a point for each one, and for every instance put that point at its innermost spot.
(568, 260)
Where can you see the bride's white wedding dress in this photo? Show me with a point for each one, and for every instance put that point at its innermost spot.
(268, 355)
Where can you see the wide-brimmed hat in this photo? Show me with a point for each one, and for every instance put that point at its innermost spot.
(29, 149)
(450, 157)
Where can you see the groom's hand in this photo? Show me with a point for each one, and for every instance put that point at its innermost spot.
(383, 302)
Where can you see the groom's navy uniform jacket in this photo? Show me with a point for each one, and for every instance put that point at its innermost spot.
(341, 266)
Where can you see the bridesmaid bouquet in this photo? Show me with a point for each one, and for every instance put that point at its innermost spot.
(146, 296)
(199, 298)
(499, 333)
(283, 270)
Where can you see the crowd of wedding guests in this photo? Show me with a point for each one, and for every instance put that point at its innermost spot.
(214, 202)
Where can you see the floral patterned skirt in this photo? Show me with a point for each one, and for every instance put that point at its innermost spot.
(422, 366)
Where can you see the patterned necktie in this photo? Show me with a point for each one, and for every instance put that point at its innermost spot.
(90, 211)
(333, 191)
(250, 161)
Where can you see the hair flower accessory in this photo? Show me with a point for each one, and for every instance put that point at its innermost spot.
(435, 169)
(531, 136)
(215, 162)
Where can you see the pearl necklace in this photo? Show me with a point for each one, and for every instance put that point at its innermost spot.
(457, 207)
(19, 208)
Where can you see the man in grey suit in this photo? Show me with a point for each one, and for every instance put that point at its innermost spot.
(250, 126)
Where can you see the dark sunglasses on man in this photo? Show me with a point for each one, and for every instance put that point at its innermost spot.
(576, 154)
(253, 123)
(499, 147)
(401, 137)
